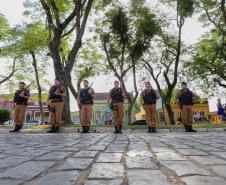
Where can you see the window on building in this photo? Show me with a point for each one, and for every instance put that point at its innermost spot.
(161, 117)
(37, 115)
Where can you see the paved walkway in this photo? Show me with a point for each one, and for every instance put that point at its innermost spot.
(107, 159)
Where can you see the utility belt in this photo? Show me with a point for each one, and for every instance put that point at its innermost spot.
(116, 101)
(55, 100)
(87, 103)
(149, 103)
(21, 103)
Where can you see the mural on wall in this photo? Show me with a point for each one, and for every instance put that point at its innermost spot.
(104, 117)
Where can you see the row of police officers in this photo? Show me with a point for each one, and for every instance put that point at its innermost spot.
(115, 101)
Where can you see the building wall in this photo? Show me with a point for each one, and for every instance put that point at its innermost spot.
(32, 112)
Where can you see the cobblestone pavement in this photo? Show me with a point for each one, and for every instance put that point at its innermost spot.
(107, 159)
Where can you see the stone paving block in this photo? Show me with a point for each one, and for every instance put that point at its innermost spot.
(76, 164)
(114, 150)
(140, 162)
(86, 154)
(139, 153)
(110, 157)
(13, 161)
(220, 169)
(192, 152)
(184, 168)
(162, 149)
(169, 156)
(96, 148)
(54, 156)
(34, 152)
(59, 178)
(69, 149)
(203, 180)
(104, 182)
(222, 154)
(10, 182)
(208, 148)
(208, 160)
(106, 171)
(2, 155)
(27, 170)
(146, 177)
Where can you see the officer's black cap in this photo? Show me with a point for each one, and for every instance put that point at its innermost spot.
(57, 79)
(184, 83)
(148, 83)
(22, 83)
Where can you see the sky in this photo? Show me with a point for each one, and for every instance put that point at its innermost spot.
(192, 31)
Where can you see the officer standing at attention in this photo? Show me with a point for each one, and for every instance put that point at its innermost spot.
(20, 104)
(148, 99)
(55, 103)
(185, 99)
(85, 102)
(115, 101)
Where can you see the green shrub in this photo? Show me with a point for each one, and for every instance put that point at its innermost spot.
(4, 115)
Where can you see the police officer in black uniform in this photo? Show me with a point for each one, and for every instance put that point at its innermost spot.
(85, 102)
(185, 99)
(20, 104)
(116, 103)
(148, 99)
(55, 103)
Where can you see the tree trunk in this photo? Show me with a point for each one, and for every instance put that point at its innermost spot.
(66, 111)
(170, 113)
(39, 87)
(129, 114)
(63, 76)
(11, 74)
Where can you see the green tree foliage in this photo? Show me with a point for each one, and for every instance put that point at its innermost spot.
(6, 36)
(208, 64)
(126, 34)
(4, 115)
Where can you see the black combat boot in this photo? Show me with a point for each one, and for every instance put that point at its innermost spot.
(116, 130)
(20, 127)
(153, 130)
(191, 129)
(149, 130)
(186, 128)
(57, 129)
(87, 129)
(52, 130)
(16, 129)
(83, 129)
(120, 129)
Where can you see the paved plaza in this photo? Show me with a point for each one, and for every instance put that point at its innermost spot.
(108, 159)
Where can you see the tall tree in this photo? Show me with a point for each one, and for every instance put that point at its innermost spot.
(209, 57)
(166, 64)
(66, 18)
(126, 34)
